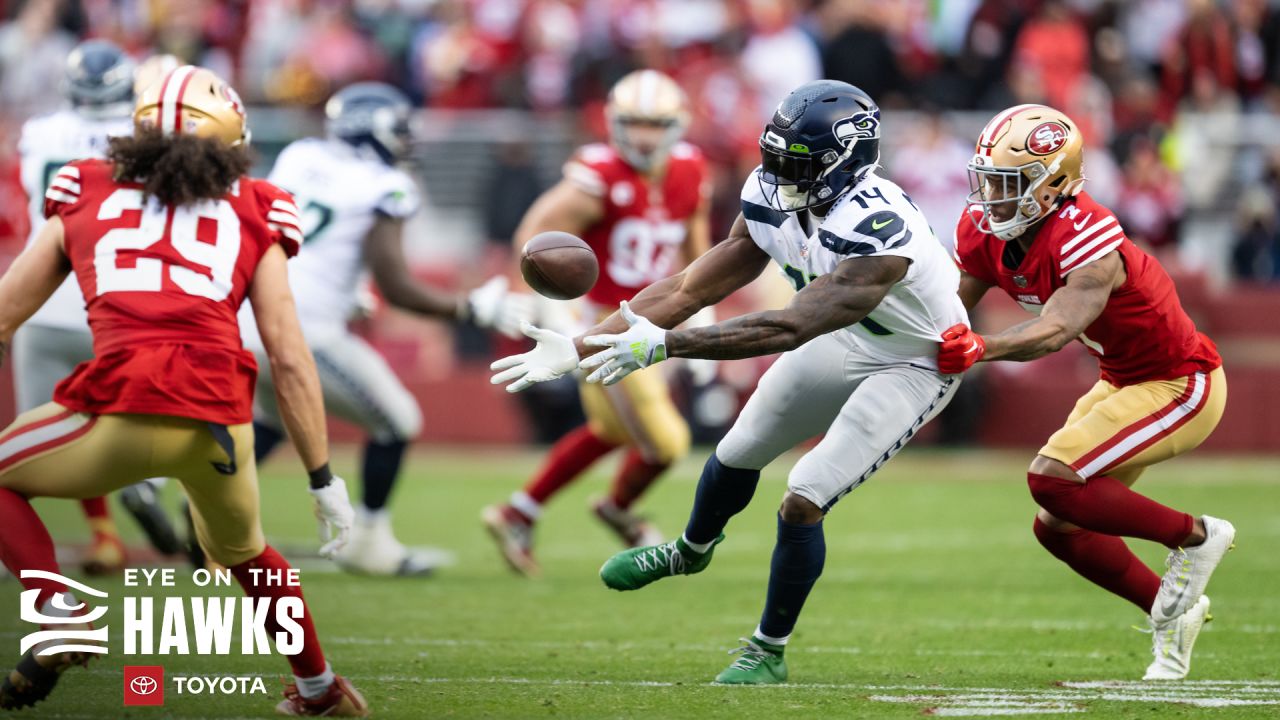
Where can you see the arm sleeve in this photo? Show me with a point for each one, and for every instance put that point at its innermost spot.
(64, 190)
(281, 214)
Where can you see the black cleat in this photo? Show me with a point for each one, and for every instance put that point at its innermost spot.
(142, 503)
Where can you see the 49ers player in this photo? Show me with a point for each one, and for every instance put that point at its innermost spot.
(167, 237)
(1032, 231)
(641, 203)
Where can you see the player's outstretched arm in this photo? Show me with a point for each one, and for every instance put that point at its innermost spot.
(1067, 313)
(31, 279)
(297, 388)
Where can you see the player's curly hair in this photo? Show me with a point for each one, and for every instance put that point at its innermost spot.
(178, 169)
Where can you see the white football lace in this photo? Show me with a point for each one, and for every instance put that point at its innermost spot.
(751, 655)
(658, 556)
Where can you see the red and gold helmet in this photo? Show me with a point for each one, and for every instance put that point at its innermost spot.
(190, 99)
(1027, 160)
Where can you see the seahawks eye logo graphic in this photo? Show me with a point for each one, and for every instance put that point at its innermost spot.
(862, 125)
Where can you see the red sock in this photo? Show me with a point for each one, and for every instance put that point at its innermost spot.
(572, 454)
(634, 477)
(1104, 505)
(25, 544)
(310, 662)
(95, 508)
(1103, 560)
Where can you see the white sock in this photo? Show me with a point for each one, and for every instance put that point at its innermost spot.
(314, 687)
(368, 517)
(526, 505)
(759, 635)
(700, 548)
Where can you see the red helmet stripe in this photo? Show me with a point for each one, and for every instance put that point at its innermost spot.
(992, 130)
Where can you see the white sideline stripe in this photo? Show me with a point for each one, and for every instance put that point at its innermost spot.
(66, 183)
(1106, 249)
(59, 196)
(1089, 246)
(1150, 430)
(1084, 234)
(26, 440)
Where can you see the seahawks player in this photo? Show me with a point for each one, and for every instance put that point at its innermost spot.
(99, 85)
(875, 292)
(353, 203)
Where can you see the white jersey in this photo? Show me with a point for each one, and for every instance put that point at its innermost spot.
(48, 142)
(340, 192)
(873, 218)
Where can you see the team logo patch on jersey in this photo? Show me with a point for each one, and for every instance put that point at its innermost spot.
(1047, 138)
(622, 194)
(1020, 280)
(859, 125)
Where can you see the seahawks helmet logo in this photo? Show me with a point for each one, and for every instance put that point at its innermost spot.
(861, 125)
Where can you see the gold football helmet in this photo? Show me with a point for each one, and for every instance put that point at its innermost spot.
(1028, 159)
(190, 99)
(647, 114)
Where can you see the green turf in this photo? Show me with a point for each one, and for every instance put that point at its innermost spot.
(934, 587)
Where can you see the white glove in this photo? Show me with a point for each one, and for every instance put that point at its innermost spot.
(333, 510)
(642, 345)
(553, 356)
(491, 306)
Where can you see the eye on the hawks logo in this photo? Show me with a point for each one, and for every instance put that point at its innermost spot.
(1047, 138)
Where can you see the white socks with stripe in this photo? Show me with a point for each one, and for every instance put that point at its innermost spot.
(315, 687)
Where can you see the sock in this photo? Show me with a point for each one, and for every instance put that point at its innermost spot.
(571, 454)
(381, 468)
(1103, 560)
(1104, 505)
(310, 662)
(25, 545)
(315, 687)
(722, 493)
(798, 557)
(769, 642)
(95, 509)
(265, 439)
(633, 478)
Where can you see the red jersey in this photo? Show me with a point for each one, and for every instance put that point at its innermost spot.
(162, 286)
(638, 240)
(1142, 334)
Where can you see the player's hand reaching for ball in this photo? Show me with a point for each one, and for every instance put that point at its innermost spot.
(642, 345)
(961, 347)
(553, 356)
(492, 305)
(333, 510)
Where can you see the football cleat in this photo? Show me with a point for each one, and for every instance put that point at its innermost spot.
(341, 700)
(633, 569)
(374, 550)
(633, 530)
(1171, 642)
(105, 555)
(758, 663)
(36, 675)
(514, 535)
(142, 502)
(1187, 571)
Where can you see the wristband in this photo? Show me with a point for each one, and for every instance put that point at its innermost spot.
(320, 477)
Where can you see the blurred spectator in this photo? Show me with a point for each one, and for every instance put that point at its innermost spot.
(931, 165)
(1256, 252)
(779, 56)
(1054, 44)
(1205, 46)
(1206, 129)
(861, 54)
(511, 188)
(188, 29)
(551, 37)
(33, 52)
(453, 63)
(1149, 203)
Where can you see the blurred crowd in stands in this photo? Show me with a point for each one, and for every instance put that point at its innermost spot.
(1164, 90)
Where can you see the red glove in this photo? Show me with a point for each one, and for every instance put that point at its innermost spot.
(960, 349)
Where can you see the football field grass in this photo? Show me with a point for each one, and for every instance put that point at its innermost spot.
(936, 599)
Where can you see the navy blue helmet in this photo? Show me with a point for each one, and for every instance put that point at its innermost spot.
(823, 138)
(99, 78)
(372, 115)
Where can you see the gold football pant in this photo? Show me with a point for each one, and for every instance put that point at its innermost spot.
(54, 452)
(1119, 431)
(638, 412)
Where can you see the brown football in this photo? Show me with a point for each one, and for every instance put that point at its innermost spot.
(559, 265)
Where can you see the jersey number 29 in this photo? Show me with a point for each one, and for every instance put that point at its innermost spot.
(147, 274)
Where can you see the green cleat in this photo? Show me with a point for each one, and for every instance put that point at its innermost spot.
(633, 569)
(758, 663)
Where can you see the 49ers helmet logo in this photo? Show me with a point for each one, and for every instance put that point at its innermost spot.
(1047, 138)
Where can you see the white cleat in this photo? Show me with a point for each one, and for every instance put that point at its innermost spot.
(1187, 571)
(1171, 642)
(374, 550)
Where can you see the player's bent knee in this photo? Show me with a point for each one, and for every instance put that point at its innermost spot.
(1042, 465)
(1052, 523)
(798, 510)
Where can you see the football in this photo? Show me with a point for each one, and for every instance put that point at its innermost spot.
(559, 265)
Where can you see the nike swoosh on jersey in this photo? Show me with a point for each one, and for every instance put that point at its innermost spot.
(877, 225)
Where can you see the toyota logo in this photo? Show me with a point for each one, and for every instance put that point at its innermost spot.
(143, 685)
